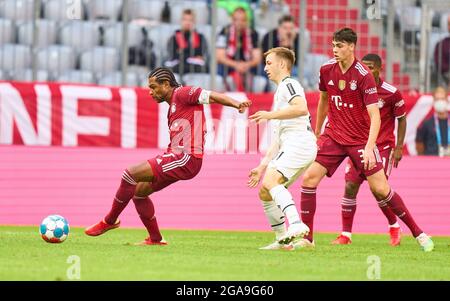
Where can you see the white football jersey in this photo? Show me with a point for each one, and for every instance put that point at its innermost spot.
(286, 91)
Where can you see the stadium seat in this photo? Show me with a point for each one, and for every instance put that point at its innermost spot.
(100, 60)
(7, 33)
(56, 58)
(58, 10)
(200, 9)
(223, 18)
(47, 33)
(19, 10)
(410, 18)
(27, 75)
(81, 35)
(160, 36)
(444, 21)
(203, 80)
(145, 9)
(115, 79)
(269, 19)
(141, 71)
(312, 64)
(259, 84)
(104, 9)
(113, 35)
(14, 57)
(76, 76)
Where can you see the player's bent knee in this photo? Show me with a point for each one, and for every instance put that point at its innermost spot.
(272, 178)
(143, 189)
(264, 195)
(310, 179)
(380, 192)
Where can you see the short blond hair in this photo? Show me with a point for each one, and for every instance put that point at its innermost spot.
(440, 90)
(284, 53)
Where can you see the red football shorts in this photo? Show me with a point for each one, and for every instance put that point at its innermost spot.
(331, 154)
(352, 175)
(170, 168)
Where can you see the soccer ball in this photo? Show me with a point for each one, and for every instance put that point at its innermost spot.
(54, 229)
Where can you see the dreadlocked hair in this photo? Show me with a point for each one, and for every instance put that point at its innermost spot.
(164, 74)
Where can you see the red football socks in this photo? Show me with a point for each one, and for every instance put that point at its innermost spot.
(308, 208)
(123, 197)
(146, 210)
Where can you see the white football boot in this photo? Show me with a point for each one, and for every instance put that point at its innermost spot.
(425, 242)
(302, 243)
(295, 230)
(276, 246)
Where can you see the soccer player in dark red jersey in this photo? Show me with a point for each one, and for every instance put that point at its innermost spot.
(349, 98)
(182, 159)
(392, 107)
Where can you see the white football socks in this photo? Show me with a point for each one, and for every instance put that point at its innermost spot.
(275, 217)
(283, 199)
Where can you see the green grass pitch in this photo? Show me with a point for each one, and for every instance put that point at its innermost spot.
(214, 255)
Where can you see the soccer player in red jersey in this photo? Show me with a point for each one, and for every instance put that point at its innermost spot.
(392, 107)
(349, 98)
(182, 159)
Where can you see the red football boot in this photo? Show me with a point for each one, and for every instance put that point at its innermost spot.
(395, 234)
(100, 228)
(149, 242)
(341, 240)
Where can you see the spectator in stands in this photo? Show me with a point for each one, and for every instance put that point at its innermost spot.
(284, 36)
(433, 134)
(442, 56)
(188, 49)
(237, 52)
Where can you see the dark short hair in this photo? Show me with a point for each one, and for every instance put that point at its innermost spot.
(162, 74)
(345, 35)
(188, 11)
(372, 57)
(285, 18)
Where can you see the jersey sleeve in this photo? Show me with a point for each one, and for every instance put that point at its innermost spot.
(322, 84)
(189, 95)
(221, 41)
(369, 90)
(399, 105)
(291, 89)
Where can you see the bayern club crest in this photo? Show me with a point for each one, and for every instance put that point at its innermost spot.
(353, 85)
(380, 103)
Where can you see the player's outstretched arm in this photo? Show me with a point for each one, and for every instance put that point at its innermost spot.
(322, 111)
(401, 132)
(297, 108)
(375, 123)
(225, 100)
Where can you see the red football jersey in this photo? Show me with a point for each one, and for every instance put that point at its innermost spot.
(348, 95)
(392, 106)
(186, 120)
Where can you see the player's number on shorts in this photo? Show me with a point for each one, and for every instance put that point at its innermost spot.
(361, 155)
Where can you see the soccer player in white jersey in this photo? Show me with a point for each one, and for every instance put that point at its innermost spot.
(292, 150)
